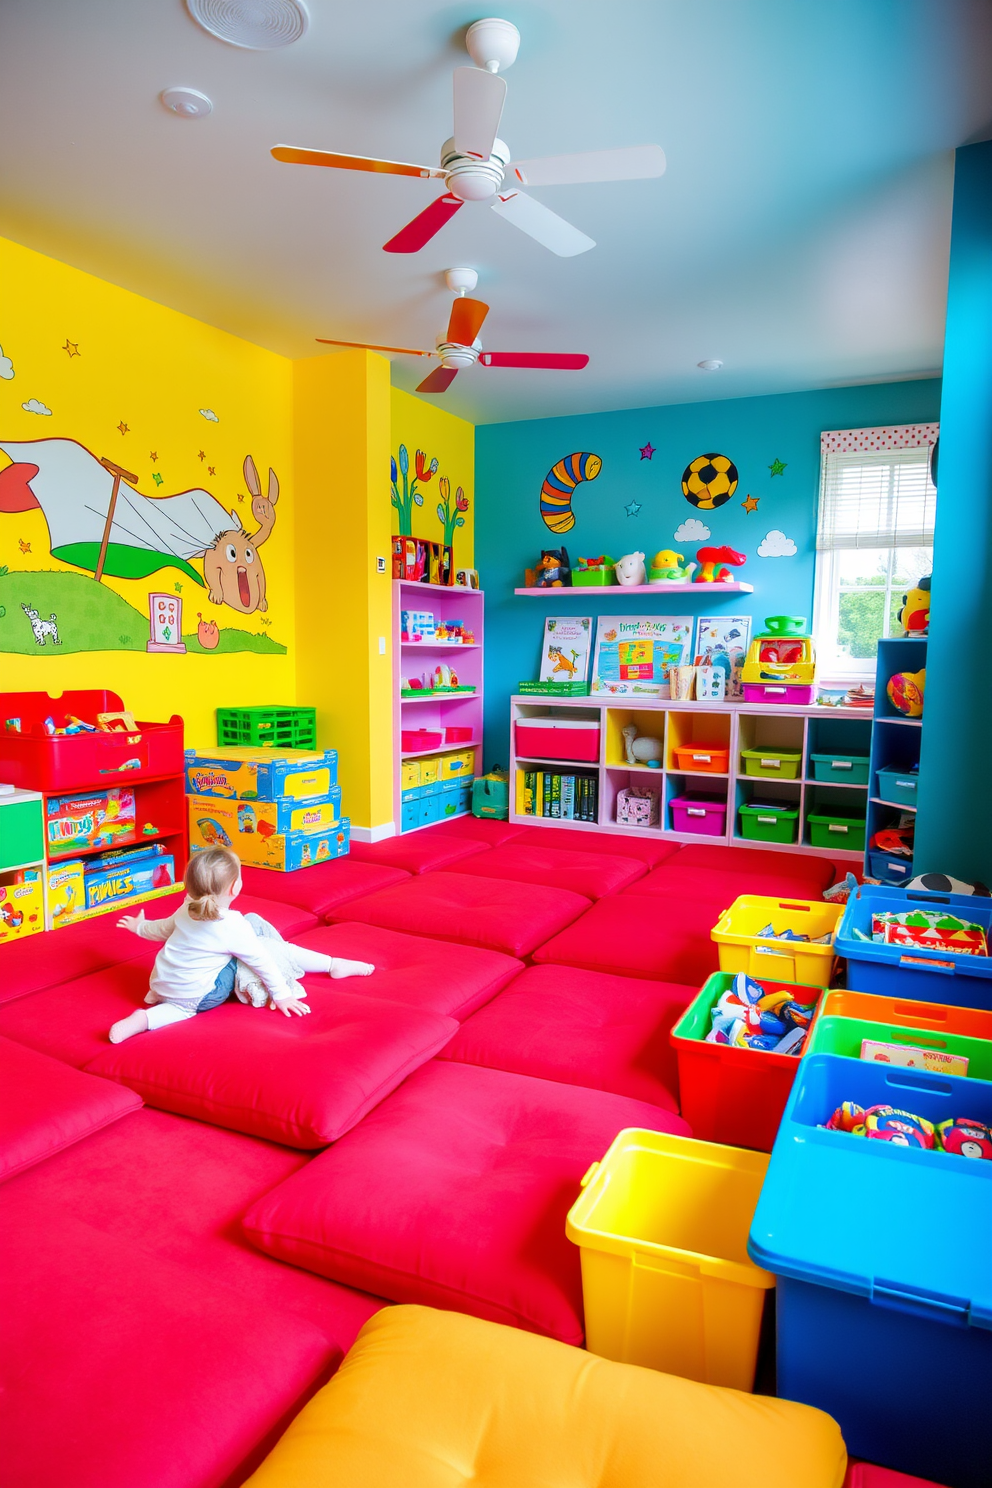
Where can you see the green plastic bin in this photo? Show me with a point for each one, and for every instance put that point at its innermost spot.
(22, 829)
(760, 824)
(772, 763)
(837, 1035)
(276, 728)
(840, 769)
(836, 832)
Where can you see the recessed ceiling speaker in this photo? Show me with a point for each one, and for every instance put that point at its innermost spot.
(258, 25)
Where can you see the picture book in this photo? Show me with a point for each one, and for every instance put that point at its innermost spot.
(635, 652)
(909, 1057)
(566, 647)
(722, 641)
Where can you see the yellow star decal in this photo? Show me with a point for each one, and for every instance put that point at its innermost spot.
(123, 428)
(72, 347)
(153, 455)
(202, 454)
(751, 504)
(211, 470)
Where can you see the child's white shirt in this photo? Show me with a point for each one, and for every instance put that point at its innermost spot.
(196, 951)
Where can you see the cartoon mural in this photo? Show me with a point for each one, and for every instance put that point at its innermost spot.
(432, 448)
(450, 516)
(559, 486)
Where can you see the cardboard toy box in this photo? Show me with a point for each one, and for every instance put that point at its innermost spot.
(22, 904)
(260, 774)
(82, 821)
(66, 895)
(283, 851)
(108, 880)
(238, 818)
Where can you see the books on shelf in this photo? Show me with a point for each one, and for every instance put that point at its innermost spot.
(566, 647)
(567, 795)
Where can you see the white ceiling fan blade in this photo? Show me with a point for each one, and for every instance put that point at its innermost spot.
(634, 164)
(479, 98)
(541, 224)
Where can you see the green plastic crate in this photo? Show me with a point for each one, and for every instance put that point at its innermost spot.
(837, 1035)
(833, 832)
(553, 689)
(772, 763)
(276, 728)
(758, 824)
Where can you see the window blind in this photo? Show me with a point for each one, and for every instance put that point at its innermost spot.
(876, 498)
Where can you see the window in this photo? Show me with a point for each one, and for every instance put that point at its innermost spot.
(874, 539)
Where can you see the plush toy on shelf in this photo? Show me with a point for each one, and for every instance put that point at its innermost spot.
(905, 692)
(914, 617)
(668, 567)
(711, 560)
(641, 749)
(552, 572)
(630, 570)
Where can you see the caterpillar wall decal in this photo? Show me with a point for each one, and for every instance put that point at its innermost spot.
(559, 485)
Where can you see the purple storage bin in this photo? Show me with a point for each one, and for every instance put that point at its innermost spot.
(704, 816)
(789, 693)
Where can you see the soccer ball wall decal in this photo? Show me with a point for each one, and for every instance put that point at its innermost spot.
(709, 481)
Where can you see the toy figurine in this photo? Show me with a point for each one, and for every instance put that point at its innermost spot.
(668, 567)
(905, 692)
(641, 749)
(630, 570)
(914, 617)
(552, 572)
(711, 559)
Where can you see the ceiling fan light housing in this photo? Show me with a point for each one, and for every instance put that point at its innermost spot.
(458, 358)
(470, 179)
(256, 25)
(492, 44)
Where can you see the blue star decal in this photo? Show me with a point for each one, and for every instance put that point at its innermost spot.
(632, 508)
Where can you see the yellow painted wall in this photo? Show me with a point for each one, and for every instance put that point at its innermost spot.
(420, 425)
(127, 379)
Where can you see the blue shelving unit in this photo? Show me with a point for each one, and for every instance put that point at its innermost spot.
(895, 747)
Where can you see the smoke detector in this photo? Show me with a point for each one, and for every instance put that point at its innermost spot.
(188, 103)
(258, 25)
(712, 364)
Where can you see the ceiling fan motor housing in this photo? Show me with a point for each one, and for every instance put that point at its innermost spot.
(456, 357)
(471, 179)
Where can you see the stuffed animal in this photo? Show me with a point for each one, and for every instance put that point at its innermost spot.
(888, 1124)
(552, 572)
(963, 1137)
(630, 570)
(668, 567)
(641, 749)
(711, 560)
(914, 617)
(943, 883)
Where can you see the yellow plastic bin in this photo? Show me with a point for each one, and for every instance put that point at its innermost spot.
(743, 948)
(662, 1226)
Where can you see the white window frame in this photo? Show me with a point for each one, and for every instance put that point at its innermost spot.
(843, 446)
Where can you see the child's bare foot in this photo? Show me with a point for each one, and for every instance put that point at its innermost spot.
(136, 1022)
(340, 968)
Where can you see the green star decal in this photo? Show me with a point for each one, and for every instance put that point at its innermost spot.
(777, 466)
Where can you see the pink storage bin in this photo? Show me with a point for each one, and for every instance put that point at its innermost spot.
(414, 739)
(558, 738)
(704, 816)
(789, 693)
(457, 735)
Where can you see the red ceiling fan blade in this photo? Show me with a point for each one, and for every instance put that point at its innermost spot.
(465, 321)
(439, 380)
(559, 360)
(298, 155)
(368, 346)
(423, 227)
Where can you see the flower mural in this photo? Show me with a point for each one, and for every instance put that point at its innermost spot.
(410, 497)
(450, 516)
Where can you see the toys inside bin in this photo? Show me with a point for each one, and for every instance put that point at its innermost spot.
(419, 562)
(750, 1017)
(960, 1136)
(98, 819)
(928, 929)
(66, 743)
(780, 666)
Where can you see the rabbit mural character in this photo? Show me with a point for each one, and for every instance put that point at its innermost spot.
(137, 535)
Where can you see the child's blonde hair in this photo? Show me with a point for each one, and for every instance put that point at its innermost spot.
(208, 874)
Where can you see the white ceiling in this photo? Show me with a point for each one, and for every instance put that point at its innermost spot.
(800, 233)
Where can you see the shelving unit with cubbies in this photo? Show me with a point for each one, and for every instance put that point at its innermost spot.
(22, 863)
(895, 759)
(436, 712)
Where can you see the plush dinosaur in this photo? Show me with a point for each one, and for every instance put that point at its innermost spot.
(711, 559)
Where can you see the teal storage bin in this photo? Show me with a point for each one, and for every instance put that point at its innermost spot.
(840, 769)
(491, 797)
(897, 786)
(881, 1256)
(409, 816)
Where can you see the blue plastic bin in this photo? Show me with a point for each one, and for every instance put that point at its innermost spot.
(889, 868)
(884, 1283)
(840, 769)
(928, 976)
(897, 786)
(409, 815)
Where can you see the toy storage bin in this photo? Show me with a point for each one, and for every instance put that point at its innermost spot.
(22, 829)
(830, 831)
(887, 867)
(928, 976)
(838, 1035)
(726, 1094)
(897, 786)
(840, 769)
(490, 796)
(702, 759)
(34, 760)
(696, 812)
(451, 766)
(558, 738)
(884, 1314)
(742, 947)
(760, 824)
(900, 1012)
(283, 728)
(666, 1282)
(414, 740)
(772, 763)
(792, 694)
(457, 735)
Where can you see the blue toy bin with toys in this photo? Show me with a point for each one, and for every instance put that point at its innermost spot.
(927, 976)
(881, 1256)
(888, 867)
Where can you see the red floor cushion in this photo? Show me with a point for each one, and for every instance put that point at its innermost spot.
(429, 974)
(805, 866)
(488, 912)
(46, 1105)
(719, 886)
(322, 886)
(648, 850)
(867, 1475)
(474, 828)
(664, 939)
(72, 1020)
(120, 1370)
(304, 1081)
(415, 852)
(582, 1028)
(591, 874)
(454, 1193)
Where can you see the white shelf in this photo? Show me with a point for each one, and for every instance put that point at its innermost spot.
(458, 589)
(590, 591)
(896, 805)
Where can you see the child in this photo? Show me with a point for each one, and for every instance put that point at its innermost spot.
(205, 940)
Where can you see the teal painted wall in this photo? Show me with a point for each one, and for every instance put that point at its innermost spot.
(954, 834)
(512, 461)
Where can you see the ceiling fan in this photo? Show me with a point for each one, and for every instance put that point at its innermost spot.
(475, 165)
(459, 347)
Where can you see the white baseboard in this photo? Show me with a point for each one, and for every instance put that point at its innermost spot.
(374, 834)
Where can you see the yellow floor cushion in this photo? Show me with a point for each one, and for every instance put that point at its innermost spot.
(429, 1399)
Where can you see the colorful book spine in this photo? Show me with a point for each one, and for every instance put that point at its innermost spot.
(530, 779)
(568, 797)
(546, 793)
(556, 795)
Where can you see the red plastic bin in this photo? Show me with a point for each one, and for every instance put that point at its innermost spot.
(34, 760)
(729, 1095)
(457, 735)
(558, 739)
(413, 740)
